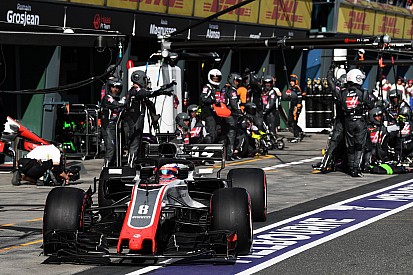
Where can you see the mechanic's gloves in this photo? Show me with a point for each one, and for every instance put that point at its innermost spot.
(133, 93)
(166, 92)
(400, 120)
(169, 85)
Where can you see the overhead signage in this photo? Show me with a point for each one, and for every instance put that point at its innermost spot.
(251, 16)
(123, 4)
(91, 2)
(286, 13)
(153, 5)
(355, 21)
(178, 7)
(386, 24)
(154, 26)
(24, 14)
(247, 13)
(99, 19)
(213, 31)
(408, 28)
(399, 26)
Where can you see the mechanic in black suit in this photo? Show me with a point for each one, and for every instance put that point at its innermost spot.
(137, 105)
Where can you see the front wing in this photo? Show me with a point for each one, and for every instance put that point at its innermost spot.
(84, 246)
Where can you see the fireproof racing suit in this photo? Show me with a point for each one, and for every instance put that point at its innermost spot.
(207, 98)
(111, 106)
(355, 102)
(137, 107)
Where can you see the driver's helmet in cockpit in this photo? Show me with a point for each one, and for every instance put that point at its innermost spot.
(168, 172)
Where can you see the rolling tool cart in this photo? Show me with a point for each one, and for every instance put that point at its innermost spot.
(81, 136)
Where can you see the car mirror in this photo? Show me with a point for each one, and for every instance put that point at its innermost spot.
(146, 172)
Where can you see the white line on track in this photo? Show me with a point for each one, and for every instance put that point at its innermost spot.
(291, 163)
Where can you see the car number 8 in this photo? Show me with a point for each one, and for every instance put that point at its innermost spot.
(143, 209)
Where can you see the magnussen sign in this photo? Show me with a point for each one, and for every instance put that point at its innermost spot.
(154, 26)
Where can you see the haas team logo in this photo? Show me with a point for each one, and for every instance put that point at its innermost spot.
(96, 22)
(352, 102)
(101, 22)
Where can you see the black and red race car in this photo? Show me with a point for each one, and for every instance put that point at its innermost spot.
(163, 209)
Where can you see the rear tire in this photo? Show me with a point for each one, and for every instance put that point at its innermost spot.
(280, 144)
(16, 178)
(102, 200)
(230, 210)
(255, 182)
(63, 211)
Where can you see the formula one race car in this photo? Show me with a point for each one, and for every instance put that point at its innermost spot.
(160, 210)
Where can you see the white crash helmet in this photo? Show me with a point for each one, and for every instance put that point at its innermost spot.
(212, 73)
(339, 72)
(355, 76)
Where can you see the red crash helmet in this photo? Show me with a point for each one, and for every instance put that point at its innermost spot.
(168, 171)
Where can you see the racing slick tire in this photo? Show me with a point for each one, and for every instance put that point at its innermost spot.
(255, 182)
(279, 144)
(63, 211)
(16, 178)
(102, 200)
(230, 210)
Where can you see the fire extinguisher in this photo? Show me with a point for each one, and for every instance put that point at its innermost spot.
(186, 95)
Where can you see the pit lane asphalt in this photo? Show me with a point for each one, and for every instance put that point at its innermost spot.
(383, 247)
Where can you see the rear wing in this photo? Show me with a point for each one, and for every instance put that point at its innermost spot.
(191, 152)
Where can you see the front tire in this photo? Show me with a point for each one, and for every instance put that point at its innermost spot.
(63, 211)
(230, 210)
(254, 181)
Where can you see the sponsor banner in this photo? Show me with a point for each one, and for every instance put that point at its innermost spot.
(368, 22)
(30, 15)
(408, 28)
(294, 13)
(91, 2)
(376, 6)
(250, 13)
(213, 31)
(178, 7)
(286, 13)
(153, 5)
(99, 19)
(386, 24)
(154, 26)
(266, 13)
(399, 27)
(181, 7)
(355, 21)
(123, 4)
(246, 13)
(279, 241)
